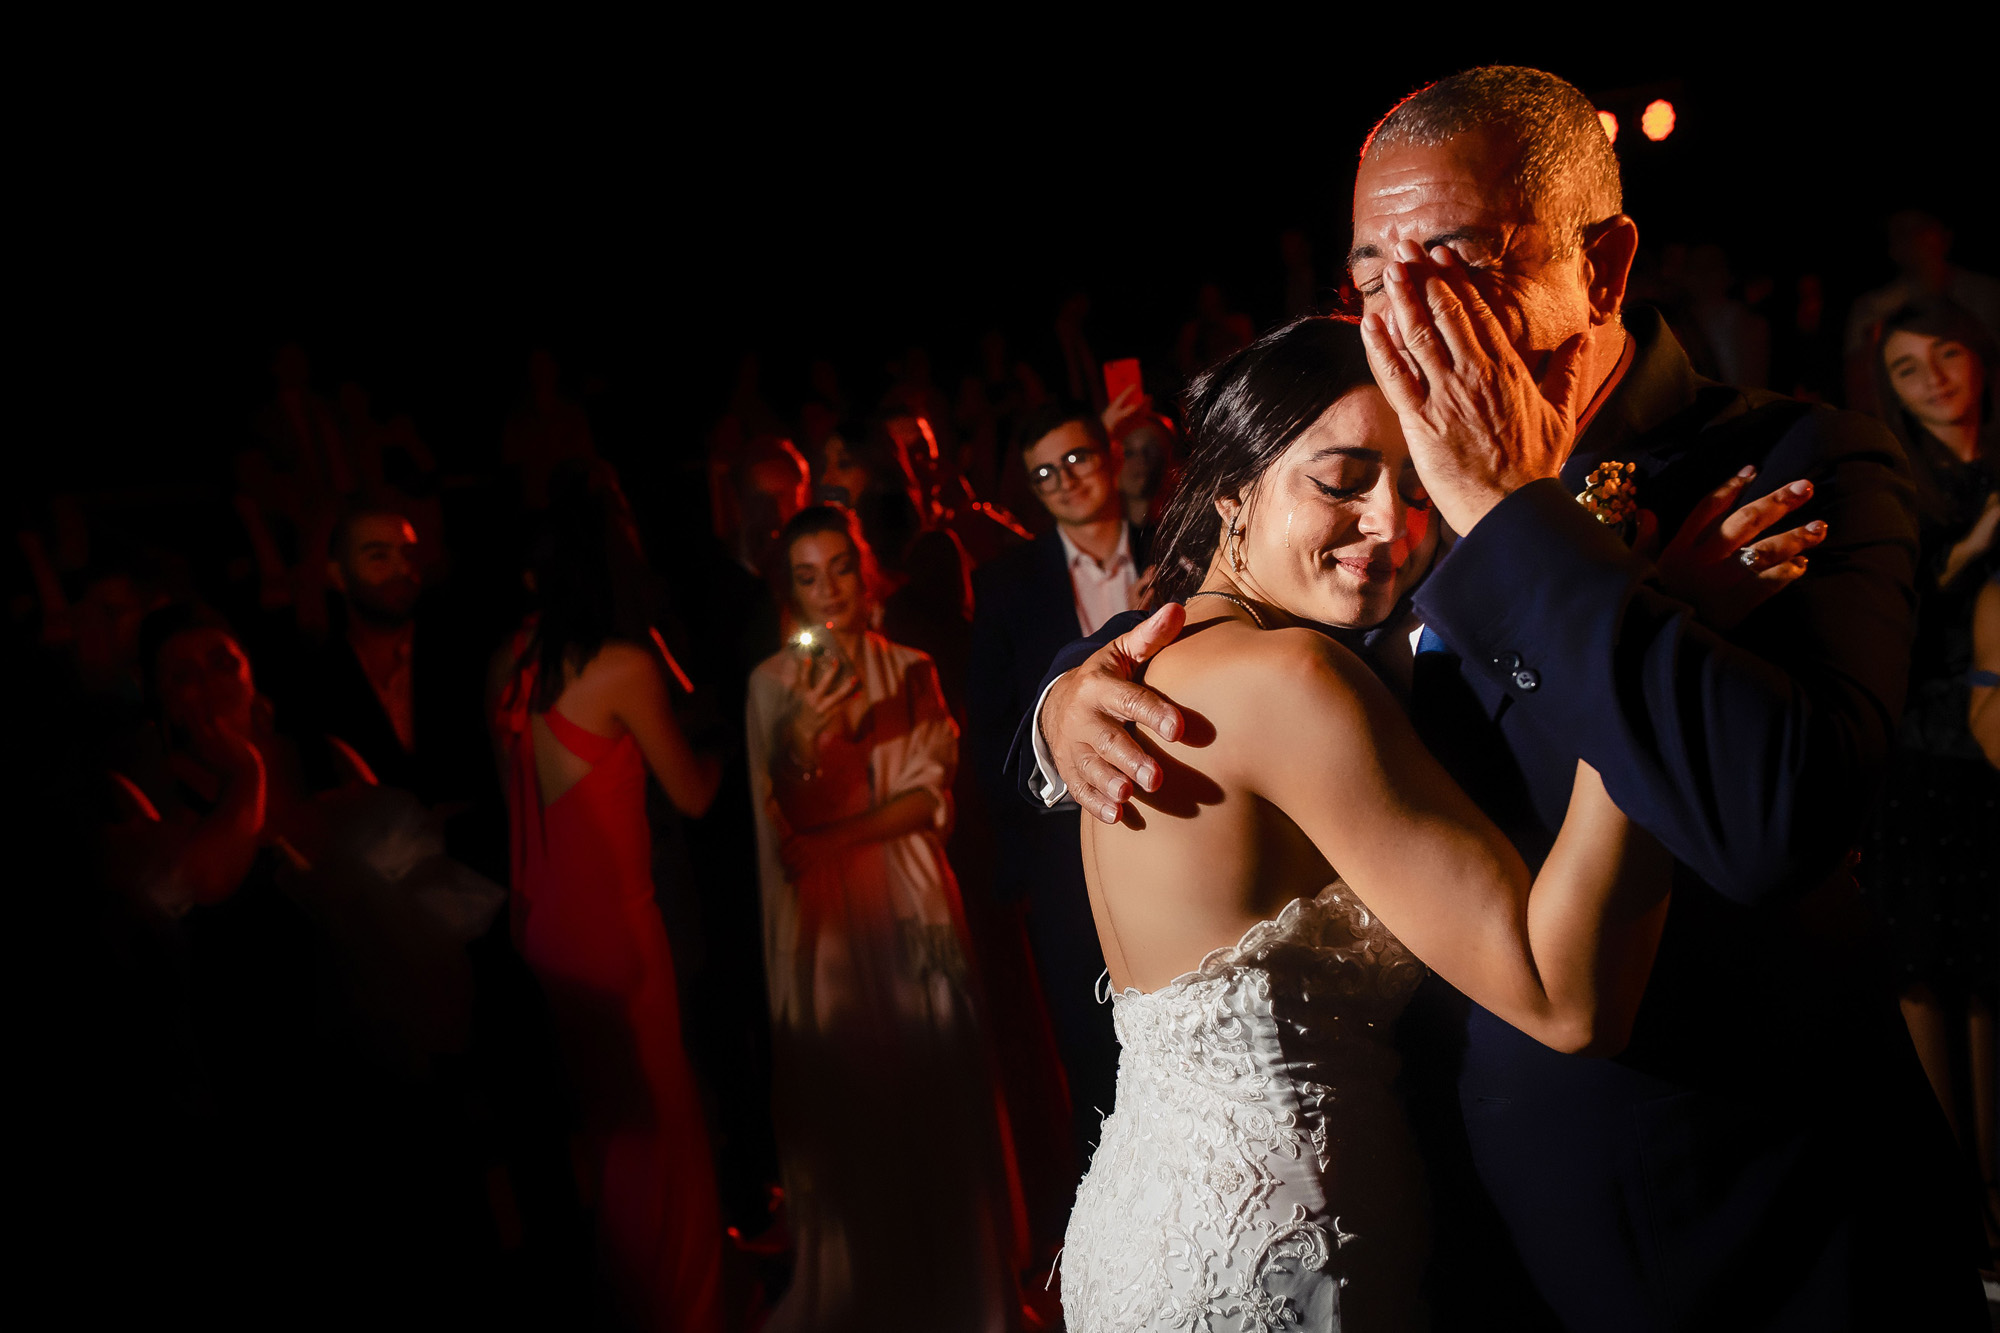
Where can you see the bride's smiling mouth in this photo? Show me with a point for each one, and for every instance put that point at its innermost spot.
(1369, 571)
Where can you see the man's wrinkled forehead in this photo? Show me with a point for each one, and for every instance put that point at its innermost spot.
(1461, 192)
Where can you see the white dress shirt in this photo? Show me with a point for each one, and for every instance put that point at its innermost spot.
(1102, 591)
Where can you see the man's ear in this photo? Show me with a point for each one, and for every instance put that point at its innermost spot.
(336, 576)
(1609, 248)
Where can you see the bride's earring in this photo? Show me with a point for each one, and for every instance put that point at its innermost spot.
(1235, 543)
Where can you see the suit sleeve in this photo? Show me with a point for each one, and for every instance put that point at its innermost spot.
(1754, 756)
(1020, 760)
(992, 710)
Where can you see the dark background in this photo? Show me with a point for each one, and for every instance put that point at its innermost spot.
(420, 210)
(649, 205)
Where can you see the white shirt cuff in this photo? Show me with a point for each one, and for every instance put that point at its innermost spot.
(1042, 778)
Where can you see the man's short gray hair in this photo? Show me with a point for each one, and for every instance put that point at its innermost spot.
(1567, 171)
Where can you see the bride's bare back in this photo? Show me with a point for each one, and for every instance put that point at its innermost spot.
(1297, 767)
(1200, 861)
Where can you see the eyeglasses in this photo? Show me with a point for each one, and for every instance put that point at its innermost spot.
(1076, 463)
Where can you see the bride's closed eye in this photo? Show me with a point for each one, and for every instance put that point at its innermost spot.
(1420, 501)
(1339, 492)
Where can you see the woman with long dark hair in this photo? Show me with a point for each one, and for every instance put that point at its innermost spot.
(582, 712)
(897, 1184)
(1932, 863)
(1269, 910)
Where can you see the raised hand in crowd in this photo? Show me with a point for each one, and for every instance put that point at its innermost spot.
(1976, 542)
(1129, 409)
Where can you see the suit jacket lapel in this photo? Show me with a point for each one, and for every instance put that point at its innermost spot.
(1658, 413)
(1659, 385)
(1054, 600)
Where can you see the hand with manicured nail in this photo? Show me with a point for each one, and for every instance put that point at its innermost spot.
(1479, 423)
(1716, 562)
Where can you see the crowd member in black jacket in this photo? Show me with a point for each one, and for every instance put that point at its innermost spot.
(397, 681)
(1027, 605)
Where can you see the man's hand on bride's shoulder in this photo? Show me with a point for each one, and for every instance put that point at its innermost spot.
(1083, 719)
(1718, 564)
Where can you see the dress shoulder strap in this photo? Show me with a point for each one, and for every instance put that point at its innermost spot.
(585, 744)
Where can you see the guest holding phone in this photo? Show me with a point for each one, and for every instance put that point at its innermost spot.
(885, 1105)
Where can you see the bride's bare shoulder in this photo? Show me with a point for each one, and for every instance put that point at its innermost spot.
(1228, 668)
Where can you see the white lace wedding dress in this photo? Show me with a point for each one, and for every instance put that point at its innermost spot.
(1257, 1172)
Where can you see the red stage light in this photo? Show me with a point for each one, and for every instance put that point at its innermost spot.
(1610, 124)
(1657, 121)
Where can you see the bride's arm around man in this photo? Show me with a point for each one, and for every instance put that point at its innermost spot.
(1492, 254)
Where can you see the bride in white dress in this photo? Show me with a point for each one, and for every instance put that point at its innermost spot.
(1269, 910)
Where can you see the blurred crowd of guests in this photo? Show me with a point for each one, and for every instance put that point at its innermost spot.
(459, 909)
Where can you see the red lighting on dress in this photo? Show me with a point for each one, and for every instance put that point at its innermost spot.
(1610, 124)
(1657, 121)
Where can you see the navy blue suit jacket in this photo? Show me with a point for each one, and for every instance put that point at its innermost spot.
(1740, 1163)
(1024, 615)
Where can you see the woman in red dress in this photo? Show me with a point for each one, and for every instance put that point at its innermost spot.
(581, 713)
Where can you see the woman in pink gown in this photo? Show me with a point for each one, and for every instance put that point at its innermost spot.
(581, 712)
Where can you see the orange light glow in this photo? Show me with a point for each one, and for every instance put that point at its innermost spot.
(1656, 122)
(1610, 124)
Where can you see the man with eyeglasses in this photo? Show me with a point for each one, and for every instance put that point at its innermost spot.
(1074, 471)
(1028, 604)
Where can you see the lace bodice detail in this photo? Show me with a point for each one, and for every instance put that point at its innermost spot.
(1253, 1114)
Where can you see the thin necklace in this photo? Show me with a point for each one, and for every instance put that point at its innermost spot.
(1230, 596)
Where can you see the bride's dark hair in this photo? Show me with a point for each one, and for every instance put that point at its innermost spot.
(1243, 413)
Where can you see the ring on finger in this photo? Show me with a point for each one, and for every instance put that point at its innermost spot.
(1751, 557)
